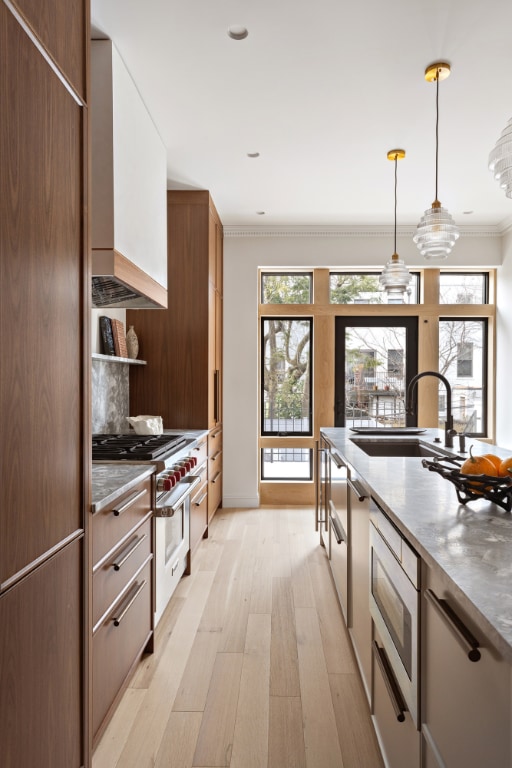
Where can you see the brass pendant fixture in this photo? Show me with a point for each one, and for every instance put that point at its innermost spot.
(437, 232)
(395, 277)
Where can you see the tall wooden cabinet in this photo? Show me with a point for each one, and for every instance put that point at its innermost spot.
(182, 381)
(43, 290)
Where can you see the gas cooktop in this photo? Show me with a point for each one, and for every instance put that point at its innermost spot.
(134, 447)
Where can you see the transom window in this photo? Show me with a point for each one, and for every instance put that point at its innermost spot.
(363, 288)
(286, 287)
(463, 288)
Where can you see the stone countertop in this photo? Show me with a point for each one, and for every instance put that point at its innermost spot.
(111, 480)
(471, 544)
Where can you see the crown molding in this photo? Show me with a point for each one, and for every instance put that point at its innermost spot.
(345, 231)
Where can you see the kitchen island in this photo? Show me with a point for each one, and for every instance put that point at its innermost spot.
(456, 712)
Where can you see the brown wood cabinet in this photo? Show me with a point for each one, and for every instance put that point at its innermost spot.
(43, 404)
(122, 596)
(182, 381)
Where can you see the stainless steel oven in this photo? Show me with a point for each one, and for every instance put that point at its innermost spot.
(172, 537)
(172, 455)
(394, 607)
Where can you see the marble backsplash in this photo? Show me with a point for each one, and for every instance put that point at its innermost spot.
(110, 396)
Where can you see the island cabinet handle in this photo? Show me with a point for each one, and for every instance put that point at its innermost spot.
(466, 639)
(127, 553)
(138, 589)
(336, 528)
(337, 460)
(359, 490)
(198, 502)
(318, 469)
(129, 502)
(395, 695)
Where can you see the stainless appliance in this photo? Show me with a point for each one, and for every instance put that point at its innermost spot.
(394, 607)
(172, 455)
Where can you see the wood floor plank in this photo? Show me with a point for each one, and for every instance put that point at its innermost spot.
(261, 588)
(284, 671)
(320, 731)
(113, 740)
(250, 741)
(358, 743)
(179, 742)
(144, 739)
(335, 638)
(193, 688)
(215, 740)
(286, 735)
(149, 663)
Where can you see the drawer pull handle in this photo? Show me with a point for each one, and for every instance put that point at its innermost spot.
(130, 501)
(395, 695)
(126, 553)
(118, 619)
(200, 501)
(459, 630)
(336, 528)
(339, 463)
(359, 490)
(214, 480)
(175, 567)
(216, 456)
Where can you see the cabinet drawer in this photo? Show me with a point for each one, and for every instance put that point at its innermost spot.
(200, 451)
(199, 512)
(214, 442)
(118, 644)
(114, 523)
(118, 568)
(214, 493)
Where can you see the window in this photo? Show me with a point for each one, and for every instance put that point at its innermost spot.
(286, 288)
(292, 464)
(462, 359)
(363, 288)
(465, 359)
(396, 362)
(286, 387)
(463, 288)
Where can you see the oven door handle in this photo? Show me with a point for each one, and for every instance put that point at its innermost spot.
(394, 692)
(167, 505)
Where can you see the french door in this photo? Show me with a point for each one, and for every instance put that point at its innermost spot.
(375, 358)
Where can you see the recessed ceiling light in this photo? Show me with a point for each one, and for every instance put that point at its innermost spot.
(467, 212)
(237, 32)
(253, 154)
(260, 213)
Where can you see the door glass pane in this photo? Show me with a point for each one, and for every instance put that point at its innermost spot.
(375, 376)
(286, 376)
(462, 359)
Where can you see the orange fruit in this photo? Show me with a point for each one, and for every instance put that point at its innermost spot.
(496, 460)
(505, 468)
(478, 465)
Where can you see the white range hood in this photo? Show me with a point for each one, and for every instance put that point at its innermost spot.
(128, 190)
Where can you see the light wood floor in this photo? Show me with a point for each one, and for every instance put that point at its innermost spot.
(253, 667)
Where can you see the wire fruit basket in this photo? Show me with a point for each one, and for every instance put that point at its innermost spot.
(472, 487)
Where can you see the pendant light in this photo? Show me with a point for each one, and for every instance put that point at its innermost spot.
(500, 159)
(395, 277)
(436, 233)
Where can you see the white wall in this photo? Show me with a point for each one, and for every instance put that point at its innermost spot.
(244, 253)
(504, 346)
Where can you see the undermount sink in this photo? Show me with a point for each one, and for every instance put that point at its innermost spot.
(398, 447)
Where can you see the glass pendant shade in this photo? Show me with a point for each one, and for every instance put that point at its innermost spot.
(500, 160)
(395, 279)
(436, 233)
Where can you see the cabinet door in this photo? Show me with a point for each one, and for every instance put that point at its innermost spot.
(41, 287)
(361, 626)
(63, 28)
(466, 704)
(41, 666)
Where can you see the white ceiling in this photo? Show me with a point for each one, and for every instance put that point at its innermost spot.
(322, 90)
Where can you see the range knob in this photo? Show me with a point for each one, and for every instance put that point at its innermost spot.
(164, 484)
